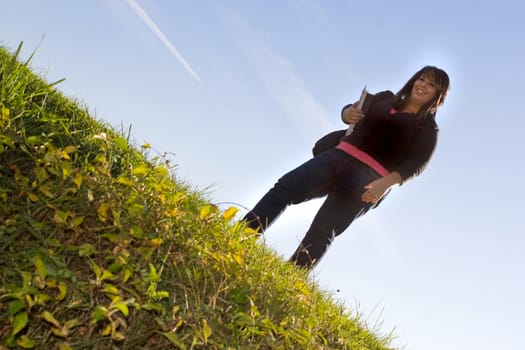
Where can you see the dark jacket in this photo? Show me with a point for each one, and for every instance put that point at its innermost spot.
(399, 141)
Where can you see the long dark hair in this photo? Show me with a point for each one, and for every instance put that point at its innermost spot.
(442, 81)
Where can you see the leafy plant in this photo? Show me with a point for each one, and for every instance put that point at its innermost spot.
(102, 248)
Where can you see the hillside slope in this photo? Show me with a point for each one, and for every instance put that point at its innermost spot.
(102, 248)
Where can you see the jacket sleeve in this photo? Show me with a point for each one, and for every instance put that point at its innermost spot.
(376, 97)
(342, 111)
(420, 154)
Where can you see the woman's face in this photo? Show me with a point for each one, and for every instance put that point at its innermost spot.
(424, 90)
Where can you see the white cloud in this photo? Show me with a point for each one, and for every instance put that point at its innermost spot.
(139, 11)
(278, 75)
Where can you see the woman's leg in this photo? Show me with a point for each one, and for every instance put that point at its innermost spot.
(342, 206)
(335, 215)
(310, 180)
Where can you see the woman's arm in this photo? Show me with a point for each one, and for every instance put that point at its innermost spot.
(377, 188)
(351, 114)
(420, 153)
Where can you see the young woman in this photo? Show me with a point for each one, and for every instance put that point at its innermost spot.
(388, 145)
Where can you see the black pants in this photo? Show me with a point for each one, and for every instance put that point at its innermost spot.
(334, 174)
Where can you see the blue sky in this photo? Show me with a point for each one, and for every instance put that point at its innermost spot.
(240, 90)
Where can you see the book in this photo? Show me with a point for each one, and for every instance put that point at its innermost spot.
(365, 100)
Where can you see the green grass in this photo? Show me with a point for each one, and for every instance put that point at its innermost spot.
(101, 247)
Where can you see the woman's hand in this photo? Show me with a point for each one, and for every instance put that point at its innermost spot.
(377, 188)
(352, 114)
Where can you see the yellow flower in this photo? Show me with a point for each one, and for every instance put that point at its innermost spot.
(156, 242)
(5, 114)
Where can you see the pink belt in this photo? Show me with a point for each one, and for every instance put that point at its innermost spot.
(363, 157)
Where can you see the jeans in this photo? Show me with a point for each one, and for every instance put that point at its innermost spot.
(332, 173)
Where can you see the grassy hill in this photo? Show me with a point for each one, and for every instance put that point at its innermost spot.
(101, 247)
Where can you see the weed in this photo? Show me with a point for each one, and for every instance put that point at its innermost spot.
(102, 248)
